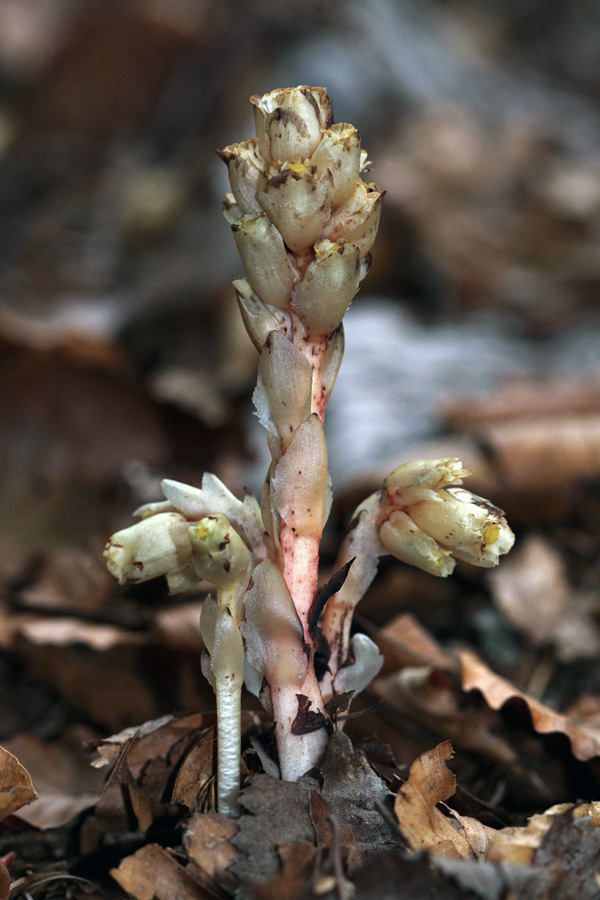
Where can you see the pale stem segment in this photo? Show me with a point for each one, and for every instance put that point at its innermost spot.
(298, 753)
(229, 745)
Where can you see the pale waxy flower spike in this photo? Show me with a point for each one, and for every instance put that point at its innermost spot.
(303, 222)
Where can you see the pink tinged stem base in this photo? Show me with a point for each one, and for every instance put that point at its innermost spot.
(297, 753)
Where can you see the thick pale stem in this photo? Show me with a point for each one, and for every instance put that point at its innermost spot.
(300, 571)
(297, 752)
(228, 747)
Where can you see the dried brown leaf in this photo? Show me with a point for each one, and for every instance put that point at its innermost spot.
(525, 398)
(344, 842)
(532, 591)
(195, 771)
(585, 741)
(153, 873)
(545, 453)
(519, 844)
(427, 696)
(277, 813)
(207, 840)
(404, 642)
(65, 782)
(424, 826)
(16, 788)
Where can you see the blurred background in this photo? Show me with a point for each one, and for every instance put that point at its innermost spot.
(122, 357)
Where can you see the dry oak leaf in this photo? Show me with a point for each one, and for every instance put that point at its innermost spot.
(207, 840)
(585, 742)
(153, 873)
(519, 845)
(423, 825)
(533, 593)
(16, 788)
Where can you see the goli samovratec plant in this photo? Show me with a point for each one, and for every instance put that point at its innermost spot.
(304, 222)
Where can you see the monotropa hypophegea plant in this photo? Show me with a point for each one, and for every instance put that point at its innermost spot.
(304, 222)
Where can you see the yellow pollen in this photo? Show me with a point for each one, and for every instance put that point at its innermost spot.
(440, 561)
(299, 168)
(201, 532)
(491, 534)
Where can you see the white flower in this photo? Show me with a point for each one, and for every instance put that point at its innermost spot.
(429, 520)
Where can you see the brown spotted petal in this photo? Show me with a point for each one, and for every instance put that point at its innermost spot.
(330, 283)
(339, 154)
(358, 219)
(245, 165)
(289, 121)
(265, 259)
(297, 202)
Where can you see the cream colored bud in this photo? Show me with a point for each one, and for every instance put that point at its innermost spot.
(297, 203)
(405, 540)
(264, 257)
(473, 529)
(299, 482)
(282, 395)
(195, 503)
(245, 165)
(358, 220)
(328, 286)
(158, 545)
(339, 154)
(271, 628)
(426, 473)
(220, 555)
(289, 121)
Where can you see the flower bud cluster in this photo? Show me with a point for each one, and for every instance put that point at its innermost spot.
(302, 218)
(170, 539)
(430, 521)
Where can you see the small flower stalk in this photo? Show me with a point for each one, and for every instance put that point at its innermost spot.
(304, 222)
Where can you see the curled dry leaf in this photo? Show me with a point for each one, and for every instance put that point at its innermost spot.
(424, 826)
(16, 788)
(426, 695)
(585, 741)
(404, 642)
(519, 845)
(64, 779)
(153, 874)
(533, 593)
(208, 844)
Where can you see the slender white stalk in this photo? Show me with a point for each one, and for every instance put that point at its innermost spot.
(229, 745)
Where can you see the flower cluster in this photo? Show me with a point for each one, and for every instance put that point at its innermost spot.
(304, 222)
(425, 519)
(429, 521)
